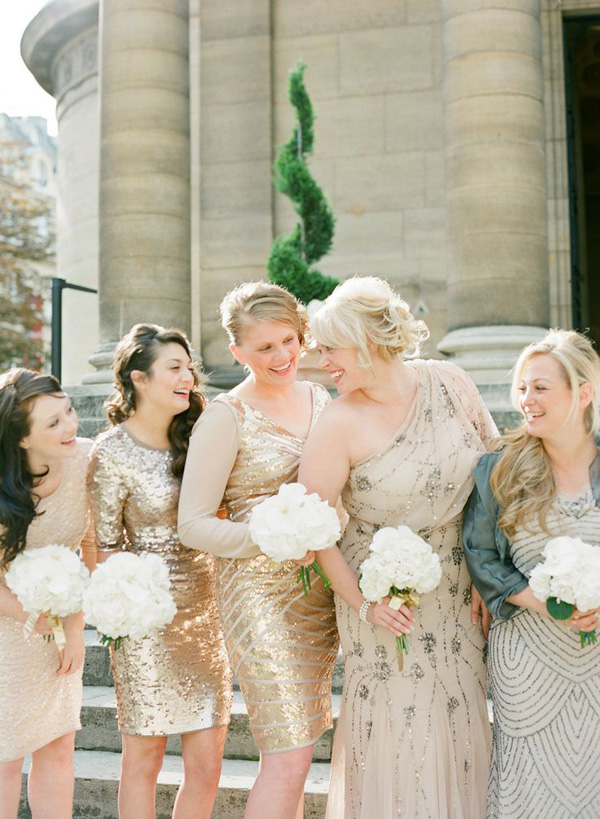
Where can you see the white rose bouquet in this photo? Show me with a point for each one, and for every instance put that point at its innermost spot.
(51, 581)
(568, 577)
(291, 523)
(128, 596)
(402, 566)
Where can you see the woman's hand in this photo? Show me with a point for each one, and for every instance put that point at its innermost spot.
(73, 654)
(307, 560)
(398, 622)
(584, 620)
(478, 608)
(41, 625)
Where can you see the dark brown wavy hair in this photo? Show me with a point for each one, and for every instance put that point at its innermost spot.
(138, 350)
(19, 389)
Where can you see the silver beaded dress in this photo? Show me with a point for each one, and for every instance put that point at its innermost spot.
(414, 742)
(176, 680)
(546, 696)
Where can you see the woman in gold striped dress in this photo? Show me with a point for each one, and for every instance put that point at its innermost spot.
(282, 645)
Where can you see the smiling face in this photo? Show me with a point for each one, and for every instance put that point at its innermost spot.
(546, 398)
(52, 432)
(271, 350)
(343, 367)
(166, 386)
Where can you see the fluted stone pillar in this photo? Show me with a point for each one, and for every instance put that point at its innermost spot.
(498, 296)
(144, 169)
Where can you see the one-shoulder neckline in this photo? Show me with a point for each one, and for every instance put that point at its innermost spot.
(409, 419)
(271, 421)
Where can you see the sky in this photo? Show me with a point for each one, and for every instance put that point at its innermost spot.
(20, 95)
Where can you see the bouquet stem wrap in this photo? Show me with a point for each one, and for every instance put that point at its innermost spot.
(399, 598)
(55, 623)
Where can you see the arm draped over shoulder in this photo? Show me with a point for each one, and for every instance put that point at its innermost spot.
(486, 546)
(211, 457)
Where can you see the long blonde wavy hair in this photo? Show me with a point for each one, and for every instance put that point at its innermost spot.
(522, 481)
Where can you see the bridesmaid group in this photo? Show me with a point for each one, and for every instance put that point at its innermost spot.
(407, 442)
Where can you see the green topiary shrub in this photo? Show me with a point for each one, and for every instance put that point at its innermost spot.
(292, 257)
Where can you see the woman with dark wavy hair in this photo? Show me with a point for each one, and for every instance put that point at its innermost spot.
(176, 681)
(42, 501)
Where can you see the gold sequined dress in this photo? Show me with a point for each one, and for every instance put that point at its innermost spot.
(37, 706)
(282, 645)
(177, 679)
(415, 743)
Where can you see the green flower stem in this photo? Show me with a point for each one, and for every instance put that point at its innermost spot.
(303, 577)
(587, 638)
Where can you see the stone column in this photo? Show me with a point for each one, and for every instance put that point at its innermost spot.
(496, 199)
(144, 169)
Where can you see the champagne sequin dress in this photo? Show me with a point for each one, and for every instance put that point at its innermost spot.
(414, 743)
(177, 679)
(282, 645)
(37, 706)
(546, 695)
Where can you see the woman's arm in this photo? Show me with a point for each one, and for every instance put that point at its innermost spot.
(211, 456)
(498, 581)
(107, 493)
(324, 469)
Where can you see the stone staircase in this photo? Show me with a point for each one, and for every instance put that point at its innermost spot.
(98, 757)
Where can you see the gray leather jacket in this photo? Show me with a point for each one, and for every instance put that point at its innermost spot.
(487, 548)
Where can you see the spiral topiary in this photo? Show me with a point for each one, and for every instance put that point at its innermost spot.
(292, 256)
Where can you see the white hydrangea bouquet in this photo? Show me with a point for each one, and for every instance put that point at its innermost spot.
(128, 596)
(401, 566)
(291, 523)
(568, 577)
(51, 581)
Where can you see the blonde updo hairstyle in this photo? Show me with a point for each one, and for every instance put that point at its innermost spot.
(522, 480)
(252, 302)
(366, 313)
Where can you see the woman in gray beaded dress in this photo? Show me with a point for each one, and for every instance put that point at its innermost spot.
(543, 482)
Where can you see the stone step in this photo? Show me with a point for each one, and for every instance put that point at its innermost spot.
(100, 731)
(97, 671)
(97, 779)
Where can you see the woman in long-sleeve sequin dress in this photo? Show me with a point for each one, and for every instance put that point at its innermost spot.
(543, 481)
(282, 645)
(42, 501)
(400, 442)
(176, 680)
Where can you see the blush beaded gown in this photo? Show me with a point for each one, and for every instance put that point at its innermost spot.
(414, 742)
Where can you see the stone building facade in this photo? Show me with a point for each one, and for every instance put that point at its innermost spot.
(455, 140)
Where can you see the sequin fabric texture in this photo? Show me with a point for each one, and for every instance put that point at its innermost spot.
(176, 680)
(38, 706)
(282, 645)
(414, 743)
(546, 695)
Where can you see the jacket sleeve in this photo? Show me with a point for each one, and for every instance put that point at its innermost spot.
(486, 548)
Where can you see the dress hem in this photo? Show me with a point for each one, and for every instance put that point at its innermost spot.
(73, 730)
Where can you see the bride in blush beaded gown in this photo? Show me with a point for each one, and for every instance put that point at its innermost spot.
(400, 443)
